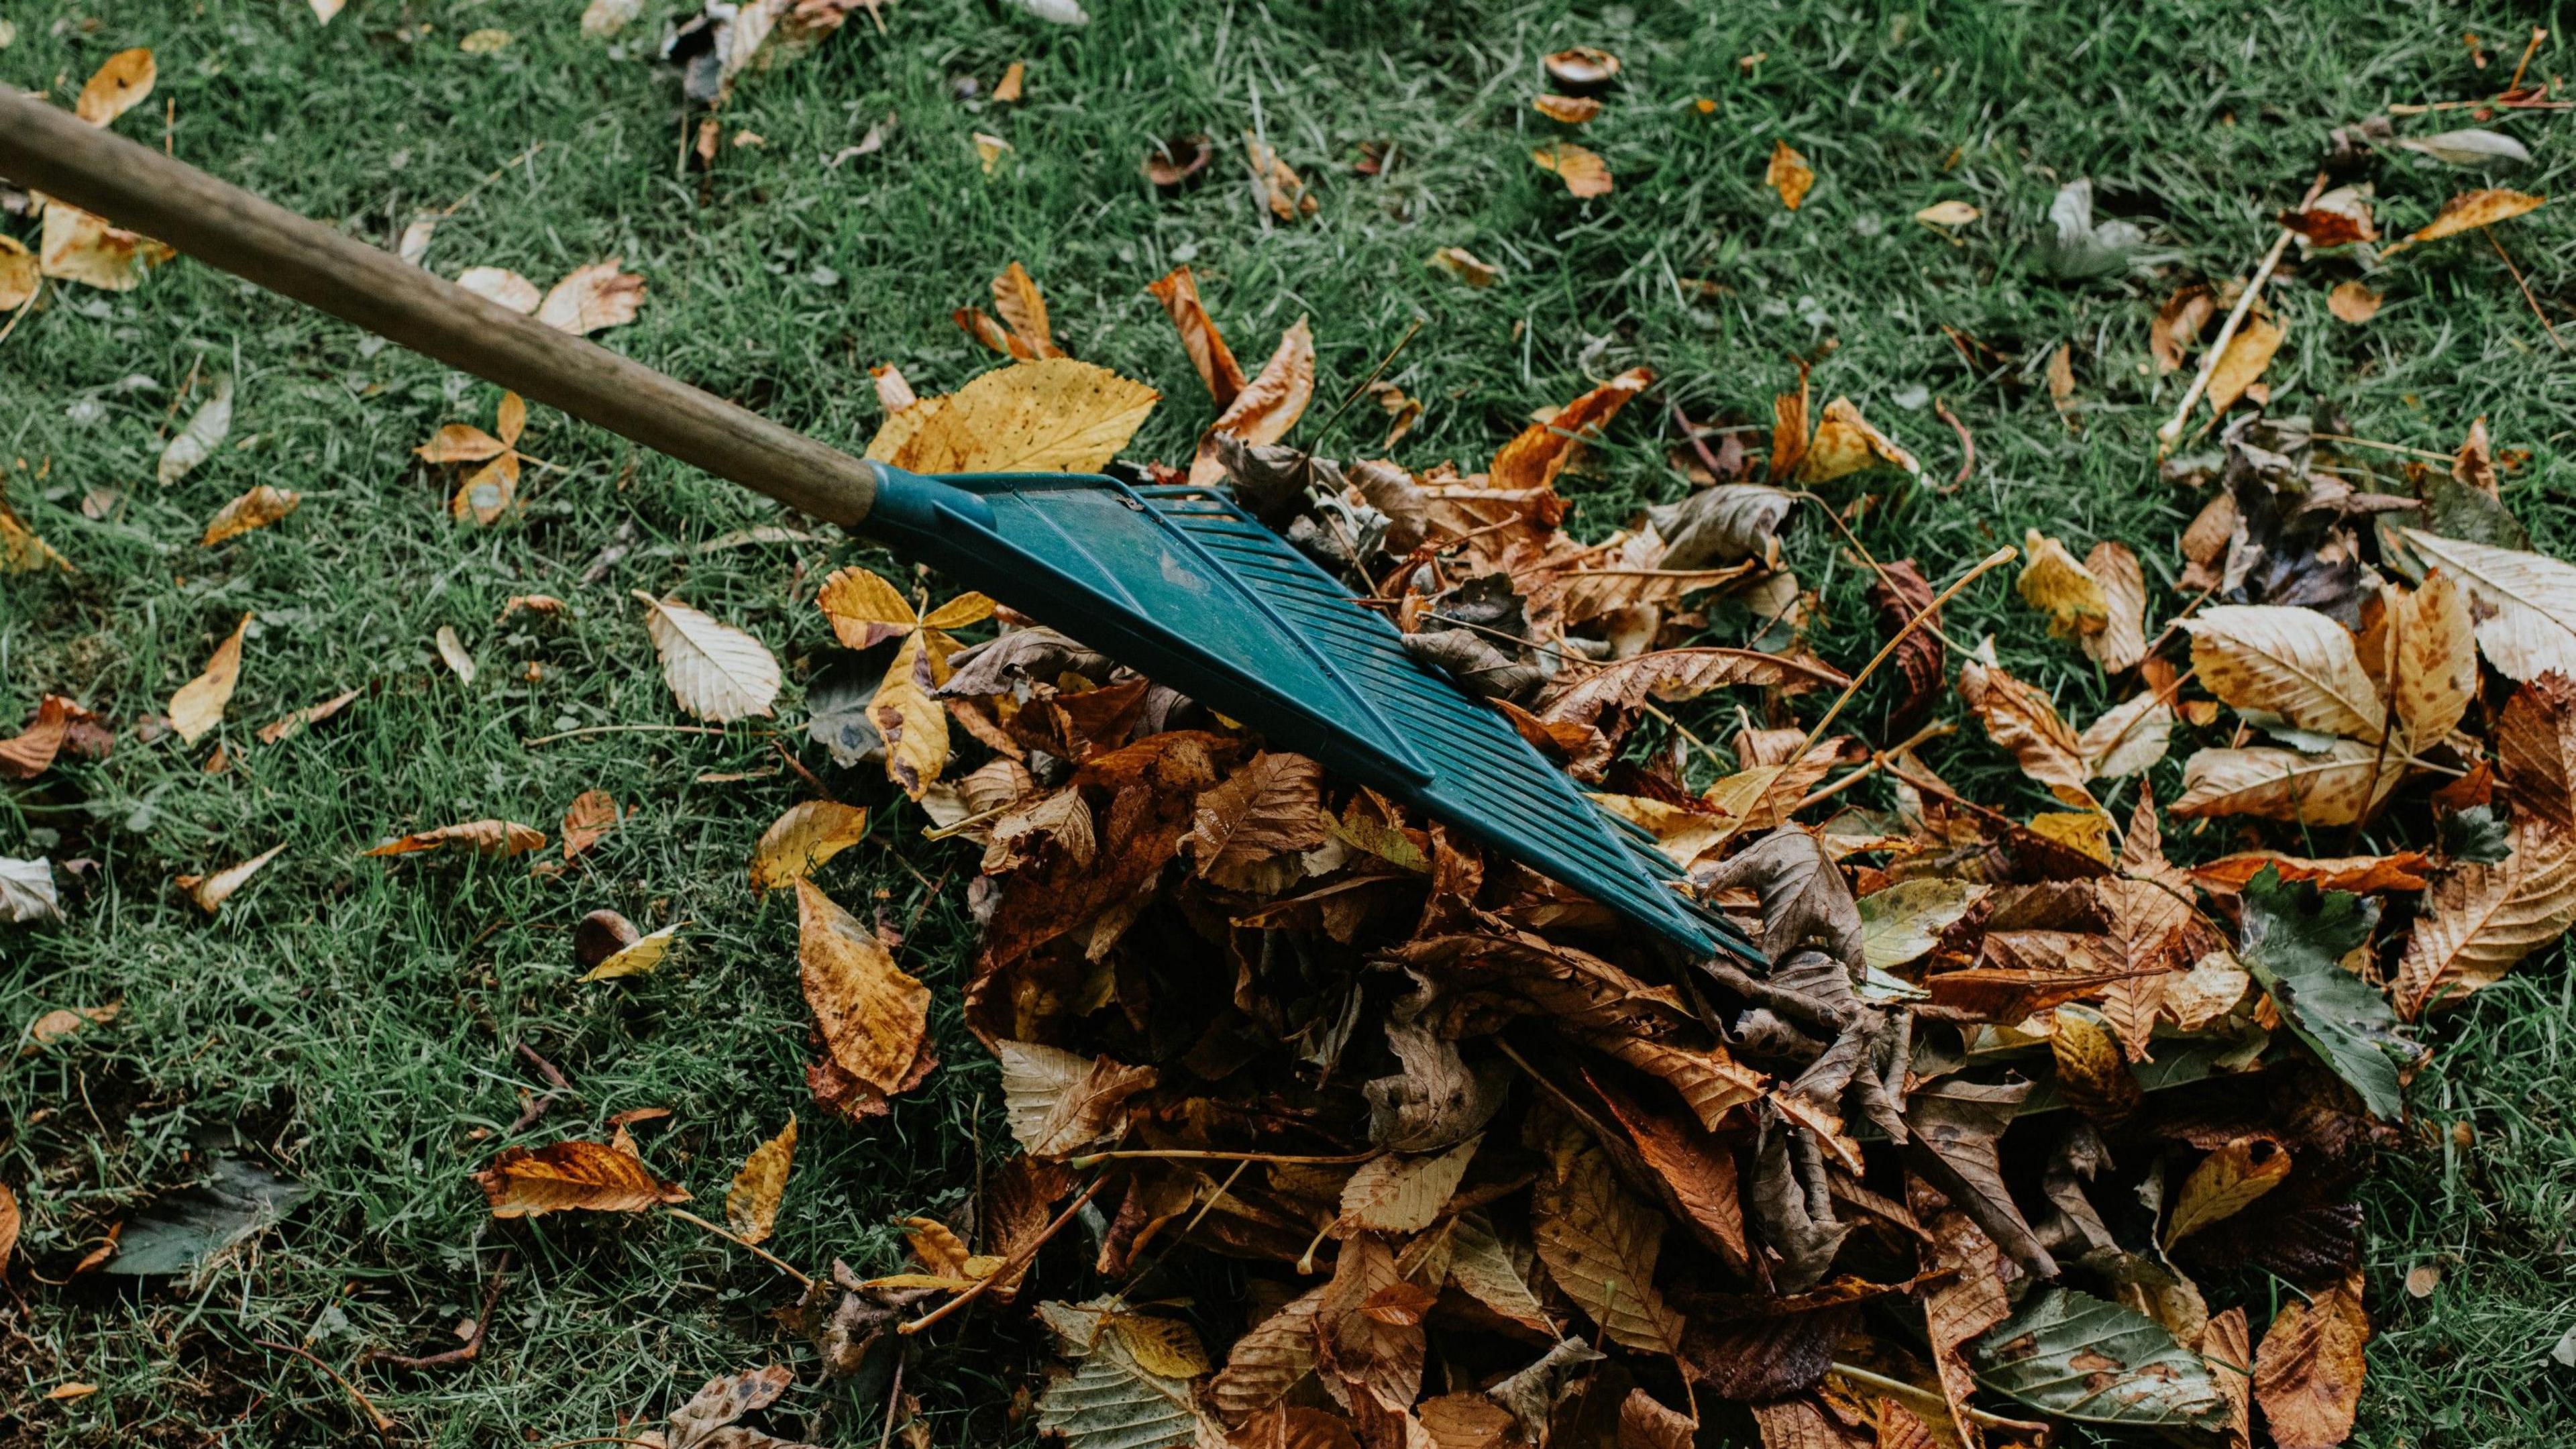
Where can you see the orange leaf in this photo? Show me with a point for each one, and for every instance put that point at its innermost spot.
(587, 1175)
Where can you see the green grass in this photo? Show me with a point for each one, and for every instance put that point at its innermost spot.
(355, 1019)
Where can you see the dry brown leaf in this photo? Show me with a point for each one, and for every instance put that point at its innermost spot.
(751, 1204)
(2248, 353)
(1268, 406)
(592, 298)
(11, 1219)
(2535, 745)
(871, 1014)
(2055, 584)
(61, 1022)
(78, 247)
(2329, 788)
(302, 719)
(2021, 720)
(1582, 170)
(2426, 651)
(715, 671)
(2128, 737)
(1401, 1193)
(1572, 110)
(2361, 874)
(2228, 1349)
(2224, 1184)
(117, 86)
(260, 507)
(1248, 832)
(31, 752)
(2295, 663)
(894, 392)
(1365, 1358)
(2468, 211)
(1178, 291)
(211, 891)
(1466, 266)
(481, 837)
(1023, 308)
(1281, 189)
(1055, 415)
(2480, 919)
(199, 704)
(1600, 1245)
(561, 1175)
(591, 815)
(20, 275)
(1060, 1103)
(2353, 303)
(2178, 326)
(2308, 1372)
(809, 833)
(21, 551)
(2121, 643)
(1534, 457)
(1788, 174)
(1269, 1361)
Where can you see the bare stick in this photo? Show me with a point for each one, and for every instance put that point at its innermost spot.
(2171, 432)
(1011, 1265)
(755, 1249)
(2530, 48)
(465, 1352)
(1967, 444)
(2546, 325)
(894, 1396)
(384, 1424)
(1992, 561)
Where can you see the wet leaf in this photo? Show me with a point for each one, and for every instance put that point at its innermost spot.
(871, 1014)
(199, 704)
(1054, 415)
(1582, 170)
(2295, 939)
(207, 428)
(2078, 1357)
(479, 837)
(1788, 174)
(211, 891)
(565, 1175)
(2308, 1371)
(260, 507)
(715, 671)
(751, 1204)
(809, 833)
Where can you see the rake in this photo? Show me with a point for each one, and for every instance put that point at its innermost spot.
(1176, 582)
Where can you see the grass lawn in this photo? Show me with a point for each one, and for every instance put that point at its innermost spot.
(354, 1021)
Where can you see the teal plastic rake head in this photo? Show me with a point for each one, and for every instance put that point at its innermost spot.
(1177, 583)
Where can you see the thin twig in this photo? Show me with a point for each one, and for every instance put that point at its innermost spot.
(1011, 1265)
(1326, 431)
(2409, 450)
(1967, 443)
(2530, 48)
(1995, 560)
(465, 1352)
(1699, 445)
(2546, 325)
(755, 1249)
(537, 1106)
(2171, 432)
(894, 1396)
(1875, 566)
(812, 781)
(2489, 104)
(383, 1424)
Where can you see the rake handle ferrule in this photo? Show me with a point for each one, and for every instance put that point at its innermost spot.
(50, 150)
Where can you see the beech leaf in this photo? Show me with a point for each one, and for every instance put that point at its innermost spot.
(715, 671)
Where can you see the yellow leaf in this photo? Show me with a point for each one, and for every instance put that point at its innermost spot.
(79, 247)
(484, 41)
(120, 83)
(1788, 174)
(864, 609)
(460, 443)
(199, 704)
(21, 551)
(715, 671)
(2085, 831)
(2295, 663)
(751, 1204)
(808, 834)
(1007, 90)
(1845, 443)
(502, 287)
(989, 150)
(19, 274)
(2247, 354)
(260, 507)
(2224, 1183)
(870, 1013)
(211, 891)
(959, 612)
(1948, 213)
(2352, 302)
(2092, 1071)
(591, 298)
(2469, 211)
(636, 957)
(2328, 788)
(2433, 665)
(1466, 266)
(1163, 1346)
(1538, 453)
(587, 1175)
(1583, 171)
(1572, 110)
(912, 722)
(482, 837)
(2054, 583)
(1055, 415)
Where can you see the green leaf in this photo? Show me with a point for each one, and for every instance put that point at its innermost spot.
(1110, 1401)
(2476, 835)
(178, 1233)
(2078, 1357)
(2296, 936)
(1902, 922)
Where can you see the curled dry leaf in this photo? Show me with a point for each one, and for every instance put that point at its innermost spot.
(1584, 68)
(32, 751)
(260, 507)
(1582, 170)
(305, 718)
(1572, 110)
(1397, 1193)
(590, 1176)
(117, 86)
(590, 816)
(478, 837)
(2178, 325)
(452, 652)
(809, 833)
(1538, 453)
(2021, 720)
(199, 704)
(1055, 415)
(2224, 1184)
(715, 671)
(751, 1203)
(635, 957)
(592, 298)
(2055, 584)
(1268, 406)
(1788, 174)
(211, 891)
(1845, 443)
(19, 274)
(206, 430)
(2121, 642)
(1178, 291)
(1280, 188)
(1466, 266)
(1060, 1103)
(871, 1014)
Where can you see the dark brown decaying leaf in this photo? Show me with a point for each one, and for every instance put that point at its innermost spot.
(2308, 1371)
(1921, 663)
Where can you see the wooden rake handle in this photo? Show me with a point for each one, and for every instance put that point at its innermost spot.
(52, 151)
